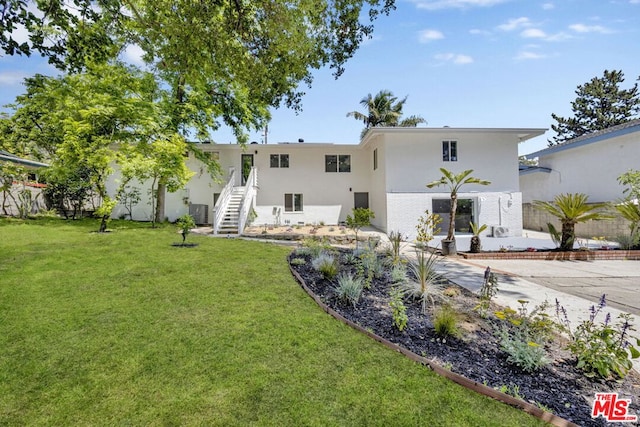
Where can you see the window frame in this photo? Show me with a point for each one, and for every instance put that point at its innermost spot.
(375, 159)
(337, 163)
(280, 161)
(293, 202)
(450, 151)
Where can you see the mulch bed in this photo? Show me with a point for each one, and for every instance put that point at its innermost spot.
(559, 387)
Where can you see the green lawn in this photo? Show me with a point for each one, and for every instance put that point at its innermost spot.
(124, 329)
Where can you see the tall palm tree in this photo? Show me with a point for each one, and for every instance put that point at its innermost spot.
(454, 182)
(384, 109)
(571, 209)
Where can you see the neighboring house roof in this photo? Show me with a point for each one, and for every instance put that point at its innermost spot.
(526, 169)
(8, 157)
(590, 138)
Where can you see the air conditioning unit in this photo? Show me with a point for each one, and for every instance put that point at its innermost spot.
(500, 231)
(200, 213)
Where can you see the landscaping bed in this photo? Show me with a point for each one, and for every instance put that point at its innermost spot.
(558, 387)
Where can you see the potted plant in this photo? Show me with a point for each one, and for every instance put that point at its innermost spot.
(454, 182)
(476, 246)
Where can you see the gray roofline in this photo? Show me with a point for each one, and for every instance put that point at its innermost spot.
(534, 169)
(601, 135)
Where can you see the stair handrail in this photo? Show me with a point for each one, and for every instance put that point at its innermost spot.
(250, 191)
(223, 201)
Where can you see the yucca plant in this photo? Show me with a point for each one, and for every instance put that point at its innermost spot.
(571, 209)
(423, 270)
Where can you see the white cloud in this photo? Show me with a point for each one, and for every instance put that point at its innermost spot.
(426, 36)
(515, 23)
(133, 55)
(548, 6)
(455, 4)
(581, 28)
(533, 33)
(456, 58)
(477, 32)
(12, 77)
(526, 55)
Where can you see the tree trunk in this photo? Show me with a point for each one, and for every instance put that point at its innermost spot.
(103, 224)
(160, 197)
(568, 236)
(452, 217)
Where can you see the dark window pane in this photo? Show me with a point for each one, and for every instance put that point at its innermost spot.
(454, 151)
(331, 163)
(288, 202)
(274, 161)
(297, 202)
(445, 151)
(345, 163)
(375, 159)
(284, 160)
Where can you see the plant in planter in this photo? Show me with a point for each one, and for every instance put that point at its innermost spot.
(186, 223)
(476, 244)
(454, 182)
(571, 209)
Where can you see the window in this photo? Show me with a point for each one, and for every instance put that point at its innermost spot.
(334, 163)
(279, 160)
(375, 159)
(292, 202)
(449, 151)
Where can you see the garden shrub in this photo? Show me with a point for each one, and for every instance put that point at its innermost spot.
(399, 310)
(601, 349)
(445, 322)
(325, 264)
(349, 288)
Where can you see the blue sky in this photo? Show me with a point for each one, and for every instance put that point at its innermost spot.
(462, 63)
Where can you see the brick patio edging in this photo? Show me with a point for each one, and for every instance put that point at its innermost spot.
(435, 367)
(611, 255)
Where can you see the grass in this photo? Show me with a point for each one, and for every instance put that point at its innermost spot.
(124, 329)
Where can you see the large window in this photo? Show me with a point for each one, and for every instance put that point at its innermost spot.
(293, 202)
(449, 151)
(464, 214)
(337, 163)
(279, 160)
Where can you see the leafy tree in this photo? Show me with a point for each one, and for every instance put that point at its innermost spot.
(185, 223)
(384, 109)
(225, 63)
(600, 104)
(68, 33)
(361, 218)
(571, 209)
(455, 182)
(631, 179)
(88, 119)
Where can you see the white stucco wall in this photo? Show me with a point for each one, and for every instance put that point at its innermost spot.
(592, 169)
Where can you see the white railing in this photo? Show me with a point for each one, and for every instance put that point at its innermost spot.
(250, 190)
(223, 202)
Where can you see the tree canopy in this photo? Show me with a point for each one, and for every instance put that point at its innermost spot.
(384, 109)
(600, 104)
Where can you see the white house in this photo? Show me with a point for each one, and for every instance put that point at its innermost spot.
(589, 164)
(307, 183)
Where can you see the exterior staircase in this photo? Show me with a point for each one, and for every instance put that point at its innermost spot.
(231, 215)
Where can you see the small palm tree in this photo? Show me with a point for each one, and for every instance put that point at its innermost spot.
(571, 209)
(476, 244)
(455, 182)
(384, 109)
